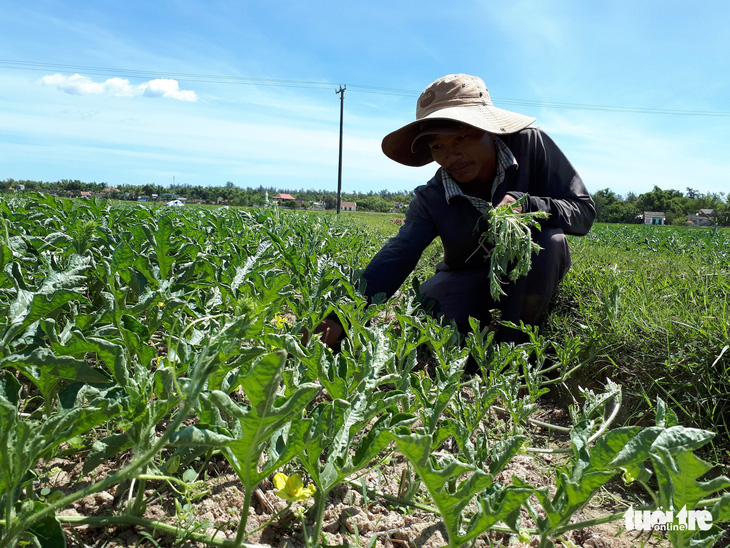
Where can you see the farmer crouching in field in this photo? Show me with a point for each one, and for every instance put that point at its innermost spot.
(488, 157)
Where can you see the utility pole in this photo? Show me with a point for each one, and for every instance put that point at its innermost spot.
(341, 93)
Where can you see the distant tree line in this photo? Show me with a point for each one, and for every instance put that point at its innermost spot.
(230, 194)
(677, 206)
(610, 207)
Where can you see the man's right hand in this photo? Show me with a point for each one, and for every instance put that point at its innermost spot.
(331, 332)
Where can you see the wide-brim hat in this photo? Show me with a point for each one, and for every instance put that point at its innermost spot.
(454, 98)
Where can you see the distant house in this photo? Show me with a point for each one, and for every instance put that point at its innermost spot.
(348, 206)
(283, 197)
(654, 218)
(704, 217)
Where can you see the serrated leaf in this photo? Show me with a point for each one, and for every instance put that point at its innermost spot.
(104, 449)
(449, 491)
(496, 504)
(610, 445)
(267, 414)
(678, 473)
(46, 370)
(503, 452)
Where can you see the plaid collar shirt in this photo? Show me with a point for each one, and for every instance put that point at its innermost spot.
(505, 160)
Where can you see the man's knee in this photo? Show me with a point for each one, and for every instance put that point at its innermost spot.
(553, 260)
(458, 294)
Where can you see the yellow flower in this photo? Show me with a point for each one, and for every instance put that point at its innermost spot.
(291, 488)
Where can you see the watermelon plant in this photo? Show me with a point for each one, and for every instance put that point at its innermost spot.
(147, 342)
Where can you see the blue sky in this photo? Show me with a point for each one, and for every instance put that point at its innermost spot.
(637, 94)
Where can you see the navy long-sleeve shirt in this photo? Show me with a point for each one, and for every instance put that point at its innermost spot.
(543, 172)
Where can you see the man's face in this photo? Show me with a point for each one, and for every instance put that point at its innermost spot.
(469, 156)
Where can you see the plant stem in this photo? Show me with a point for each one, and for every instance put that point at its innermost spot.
(102, 521)
(280, 512)
(396, 500)
(548, 451)
(241, 533)
(319, 518)
(609, 420)
(537, 422)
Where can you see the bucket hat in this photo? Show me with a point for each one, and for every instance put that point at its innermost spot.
(453, 98)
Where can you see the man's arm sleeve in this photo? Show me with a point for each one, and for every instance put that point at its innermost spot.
(389, 268)
(559, 190)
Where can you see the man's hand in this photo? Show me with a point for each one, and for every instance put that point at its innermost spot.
(331, 332)
(509, 200)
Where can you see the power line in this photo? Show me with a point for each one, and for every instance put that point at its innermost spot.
(181, 76)
(239, 80)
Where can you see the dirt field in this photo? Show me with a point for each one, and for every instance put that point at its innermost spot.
(355, 515)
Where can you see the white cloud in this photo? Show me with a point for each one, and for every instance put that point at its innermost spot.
(119, 87)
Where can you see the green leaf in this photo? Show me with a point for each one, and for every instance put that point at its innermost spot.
(104, 449)
(497, 504)
(356, 432)
(327, 419)
(160, 238)
(637, 449)
(112, 354)
(679, 438)
(503, 452)
(47, 531)
(190, 475)
(267, 414)
(610, 444)
(123, 257)
(6, 256)
(10, 387)
(678, 472)
(61, 428)
(445, 481)
(46, 370)
(201, 437)
(664, 415)
(134, 325)
(721, 510)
